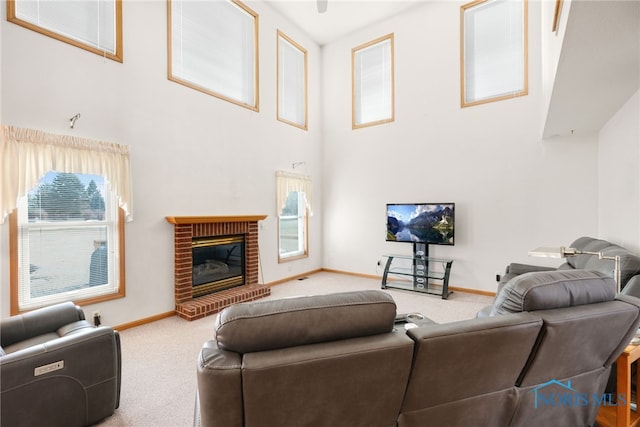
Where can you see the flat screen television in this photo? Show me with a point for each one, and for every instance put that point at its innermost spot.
(430, 223)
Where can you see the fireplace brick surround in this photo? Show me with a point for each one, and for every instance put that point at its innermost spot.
(187, 228)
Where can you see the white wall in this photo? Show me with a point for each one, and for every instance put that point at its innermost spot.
(619, 176)
(513, 191)
(191, 154)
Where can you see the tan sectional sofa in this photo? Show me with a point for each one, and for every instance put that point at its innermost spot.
(337, 359)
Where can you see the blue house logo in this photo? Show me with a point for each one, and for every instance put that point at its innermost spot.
(564, 395)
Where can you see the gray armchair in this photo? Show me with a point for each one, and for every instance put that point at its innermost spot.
(56, 369)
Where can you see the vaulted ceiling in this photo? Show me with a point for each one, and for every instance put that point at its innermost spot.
(598, 70)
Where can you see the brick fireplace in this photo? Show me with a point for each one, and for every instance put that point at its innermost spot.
(188, 228)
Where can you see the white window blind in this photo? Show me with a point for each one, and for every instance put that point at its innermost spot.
(90, 24)
(68, 246)
(292, 82)
(494, 50)
(373, 82)
(214, 49)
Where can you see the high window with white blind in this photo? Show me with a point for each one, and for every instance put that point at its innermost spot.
(213, 48)
(292, 82)
(95, 26)
(493, 50)
(373, 85)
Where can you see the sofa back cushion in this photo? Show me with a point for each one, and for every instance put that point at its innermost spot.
(588, 244)
(289, 322)
(629, 263)
(464, 373)
(351, 382)
(553, 289)
(575, 351)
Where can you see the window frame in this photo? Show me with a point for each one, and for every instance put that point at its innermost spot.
(14, 279)
(304, 221)
(255, 106)
(525, 59)
(391, 72)
(305, 125)
(116, 56)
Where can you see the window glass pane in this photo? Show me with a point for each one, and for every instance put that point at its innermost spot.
(494, 50)
(373, 82)
(93, 23)
(67, 240)
(292, 104)
(213, 47)
(292, 226)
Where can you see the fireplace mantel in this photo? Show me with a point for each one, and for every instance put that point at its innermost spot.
(213, 219)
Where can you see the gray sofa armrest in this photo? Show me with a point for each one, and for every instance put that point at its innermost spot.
(38, 322)
(84, 367)
(516, 268)
(632, 287)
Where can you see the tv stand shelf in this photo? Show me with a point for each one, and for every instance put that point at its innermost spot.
(418, 268)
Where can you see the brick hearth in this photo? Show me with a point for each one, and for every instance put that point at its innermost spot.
(187, 228)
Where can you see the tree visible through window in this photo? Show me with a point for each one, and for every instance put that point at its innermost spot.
(68, 240)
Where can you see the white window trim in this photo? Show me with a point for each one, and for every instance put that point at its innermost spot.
(22, 300)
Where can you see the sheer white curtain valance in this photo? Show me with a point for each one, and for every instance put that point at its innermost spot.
(27, 155)
(287, 182)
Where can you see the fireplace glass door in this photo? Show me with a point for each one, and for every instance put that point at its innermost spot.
(218, 263)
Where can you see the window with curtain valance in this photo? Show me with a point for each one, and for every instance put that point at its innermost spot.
(67, 199)
(294, 197)
(27, 155)
(291, 181)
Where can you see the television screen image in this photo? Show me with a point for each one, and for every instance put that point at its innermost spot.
(431, 223)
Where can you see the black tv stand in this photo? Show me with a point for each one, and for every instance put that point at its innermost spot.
(419, 271)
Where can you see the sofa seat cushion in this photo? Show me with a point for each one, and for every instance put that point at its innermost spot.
(554, 289)
(289, 322)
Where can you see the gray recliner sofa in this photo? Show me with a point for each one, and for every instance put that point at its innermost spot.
(629, 265)
(629, 262)
(337, 360)
(56, 369)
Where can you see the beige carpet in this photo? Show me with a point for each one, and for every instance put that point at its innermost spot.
(159, 359)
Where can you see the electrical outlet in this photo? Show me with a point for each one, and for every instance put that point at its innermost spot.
(97, 318)
(498, 277)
